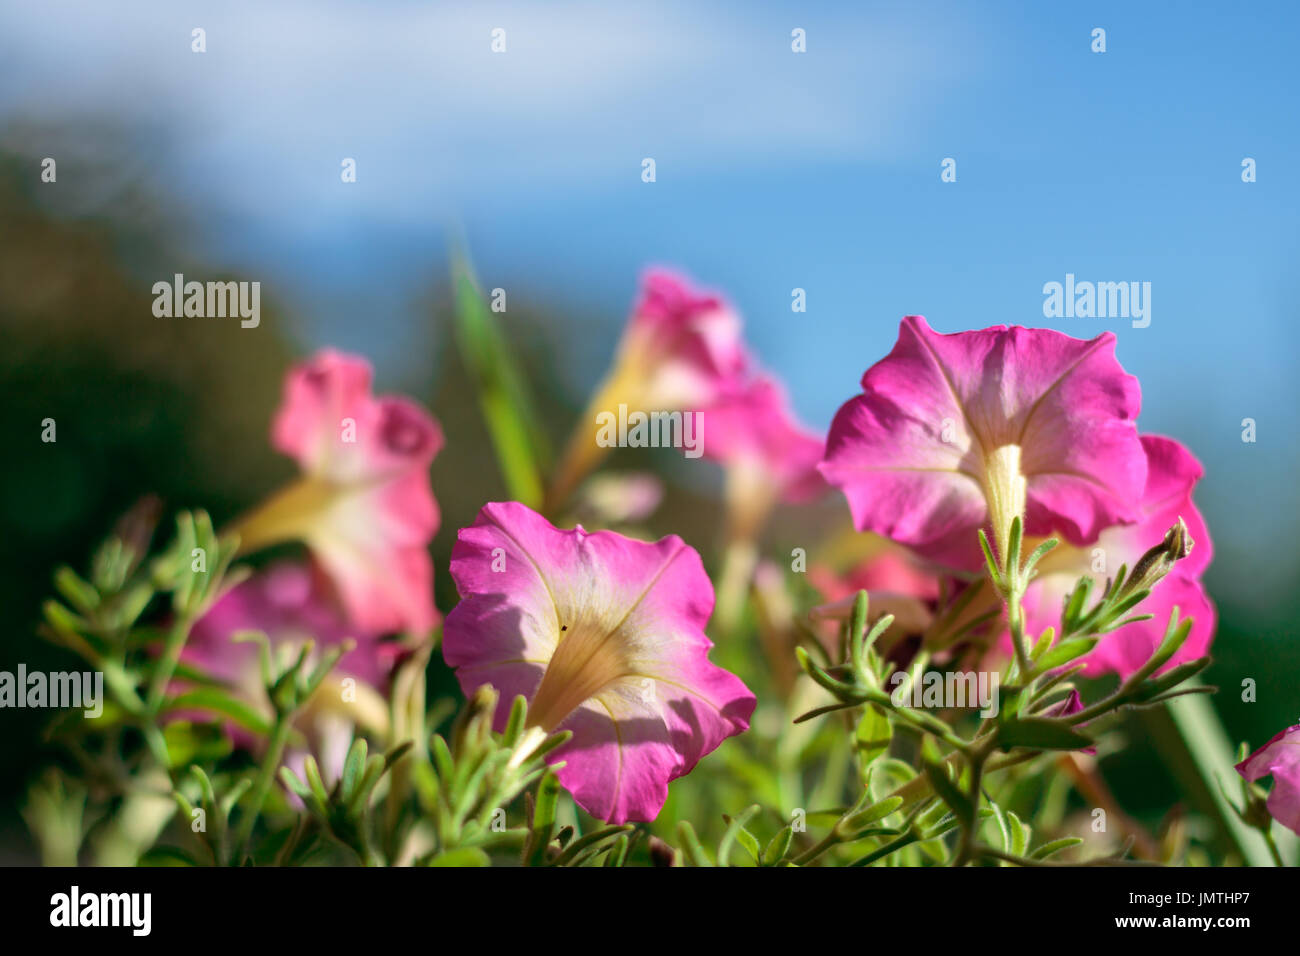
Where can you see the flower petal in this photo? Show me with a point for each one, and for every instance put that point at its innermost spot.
(755, 426)
(1171, 474)
(1280, 757)
(365, 507)
(373, 541)
(691, 341)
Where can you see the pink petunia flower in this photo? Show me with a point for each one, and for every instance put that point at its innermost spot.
(681, 350)
(753, 431)
(957, 432)
(290, 605)
(1281, 758)
(364, 505)
(1172, 473)
(604, 636)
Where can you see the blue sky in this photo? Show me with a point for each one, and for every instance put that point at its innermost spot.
(774, 170)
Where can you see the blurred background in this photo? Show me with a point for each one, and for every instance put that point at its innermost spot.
(774, 171)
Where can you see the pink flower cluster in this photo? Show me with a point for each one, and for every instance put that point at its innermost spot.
(605, 635)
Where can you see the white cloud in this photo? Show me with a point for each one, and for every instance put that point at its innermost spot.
(413, 92)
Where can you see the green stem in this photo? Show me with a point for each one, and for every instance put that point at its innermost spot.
(738, 563)
(1211, 752)
(1017, 627)
(967, 845)
(826, 842)
(157, 744)
(1267, 834)
(162, 675)
(262, 786)
(918, 788)
(893, 847)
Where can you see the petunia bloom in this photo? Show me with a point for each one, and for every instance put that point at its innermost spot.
(1281, 758)
(288, 603)
(957, 432)
(682, 347)
(681, 350)
(604, 636)
(753, 432)
(364, 505)
(1172, 473)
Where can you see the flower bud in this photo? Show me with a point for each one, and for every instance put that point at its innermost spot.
(661, 854)
(474, 722)
(1159, 560)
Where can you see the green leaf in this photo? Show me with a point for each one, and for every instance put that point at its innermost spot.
(1020, 834)
(234, 794)
(314, 780)
(353, 768)
(80, 594)
(1004, 826)
(949, 793)
(734, 828)
(1038, 554)
(168, 856)
(591, 843)
(442, 760)
(397, 753)
(1176, 634)
(62, 620)
(542, 824)
(822, 712)
(749, 842)
(1167, 681)
(515, 722)
(1066, 651)
(778, 846)
(467, 856)
(617, 855)
(691, 845)
(1075, 603)
(1055, 846)
(989, 563)
(296, 786)
(877, 811)
(501, 389)
(1012, 556)
(935, 849)
(220, 702)
(195, 743)
(1042, 644)
(1040, 733)
(872, 737)
(1174, 694)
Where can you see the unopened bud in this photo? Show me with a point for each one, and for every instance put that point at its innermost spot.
(474, 722)
(1158, 561)
(661, 854)
(135, 530)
